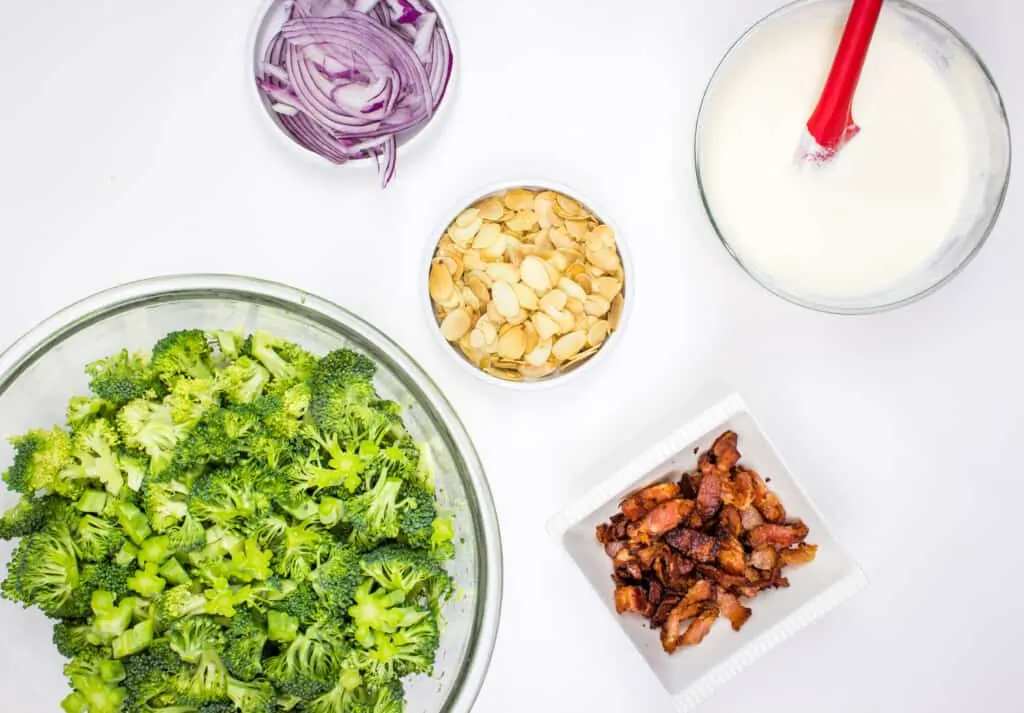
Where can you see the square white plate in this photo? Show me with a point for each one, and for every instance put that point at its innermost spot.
(692, 674)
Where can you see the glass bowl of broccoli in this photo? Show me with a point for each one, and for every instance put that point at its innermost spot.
(222, 494)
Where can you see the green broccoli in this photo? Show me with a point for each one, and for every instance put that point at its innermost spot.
(148, 427)
(308, 667)
(378, 610)
(97, 538)
(123, 377)
(347, 696)
(286, 362)
(183, 354)
(95, 457)
(336, 580)
(402, 569)
(242, 381)
(299, 549)
(375, 514)
(39, 459)
(82, 409)
(191, 636)
(387, 699)
(43, 570)
(205, 682)
(30, 515)
(244, 640)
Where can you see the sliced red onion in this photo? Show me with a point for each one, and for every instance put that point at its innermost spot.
(350, 79)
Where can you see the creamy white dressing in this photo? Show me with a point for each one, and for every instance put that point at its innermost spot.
(873, 216)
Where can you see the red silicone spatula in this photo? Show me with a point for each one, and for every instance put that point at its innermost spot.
(831, 125)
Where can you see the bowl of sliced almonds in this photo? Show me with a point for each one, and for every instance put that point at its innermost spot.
(527, 284)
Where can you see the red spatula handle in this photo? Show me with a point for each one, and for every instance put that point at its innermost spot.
(832, 124)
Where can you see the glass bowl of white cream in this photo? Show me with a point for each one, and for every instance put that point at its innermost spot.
(902, 208)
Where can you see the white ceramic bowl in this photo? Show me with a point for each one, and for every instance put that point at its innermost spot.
(268, 22)
(692, 674)
(558, 378)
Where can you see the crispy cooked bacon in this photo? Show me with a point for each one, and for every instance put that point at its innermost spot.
(640, 503)
(663, 518)
(693, 543)
(801, 554)
(686, 552)
(632, 599)
(778, 536)
(731, 609)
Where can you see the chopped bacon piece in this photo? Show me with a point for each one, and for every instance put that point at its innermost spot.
(771, 508)
(725, 451)
(731, 609)
(613, 548)
(632, 599)
(701, 591)
(604, 533)
(655, 592)
(647, 556)
(694, 544)
(673, 569)
(801, 554)
(764, 557)
(700, 627)
(626, 564)
(664, 517)
(722, 579)
(687, 608)
(731, 556)
(689, 484)
(709, 497)
(750, 518)
(730, 521)
(739, 490)
(660, 615)
(778, 536)
(639, 504)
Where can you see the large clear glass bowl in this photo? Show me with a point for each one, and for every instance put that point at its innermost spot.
(981, 105)
(44, 368)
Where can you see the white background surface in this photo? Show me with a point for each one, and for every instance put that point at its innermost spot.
(129, 146)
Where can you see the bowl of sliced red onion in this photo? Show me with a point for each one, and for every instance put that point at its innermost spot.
(354, 81)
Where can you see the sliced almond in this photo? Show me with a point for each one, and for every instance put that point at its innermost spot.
(553, 300)
(565, 320)
(489, 331)
(571, 289)
(502, 271)
(598, 333)
(585, 281)
(567, 207)
(491, 209)
(577, 229)
(496, 250)
(477, 340)
(607, 287)
(467, 217)
(527, 297)
(473, 261)
(576, 307)
(441, 285)
(540, 371)
(479, 287)
(518, 318)
(607, 259)
(569, 346)
(535, 274)
(455, 325)
(581, 324)
(512, 344)
(615, 314)
(544, 207)
(486, 236)
(505, 299)
(493, 314)
(553, 275)
(539, 354)
(525, 221)
(532, 338)
(560, 238)
(519, 199)
(506, 374)
(597, 305)
(605, 234)
(463, 234)
(546, 327)
(469, 299)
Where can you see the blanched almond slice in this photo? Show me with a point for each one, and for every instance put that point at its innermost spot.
(467, 218)
(597, 305)
(506, 374)
(441, 285)
(598, 333)
(567, 207)
(505, 299)
(553, 300)
(487, 236)
(559, 261)
(546, 327)
(576, 307)
(560, 238)
(493, 314)
(553, 275)
(570, 288)
(535, 274)
(504, 272)
(544, 207)
(615, 314)
(519, 317)
(584, 281)
(488, 330)
(477, 340)
(539, 354)
(512, 344)
(473, 261)
(470, 300)
(455, 325)
(605, 259)
(480, 288)
(465, 233)
(529, 371)
(497, 249)
(527, 297)
(607, 287)
(605, 234)
(532, 338)
(525, 220)
(519, 199)
(565, 320)
(581, 324)
(577, 229)
(491, 209)
(568, 346)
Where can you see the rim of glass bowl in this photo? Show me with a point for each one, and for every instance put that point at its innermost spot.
(558, 378)
(117, 300)
(875, 309)
(437, 119)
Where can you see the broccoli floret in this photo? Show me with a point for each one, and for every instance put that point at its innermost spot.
(377, 610)
(206, 682)
(123, 377)
(74, 638)
(103, 576)
(281, 627)
(286, 362)
(136, 639)
(402, 569)
(226, 496)
(416, 516)
(188, 537)
(409, 650)
(347, 696)
(310, 664)
(165, 503)
(178, 602)
(43, 570)
(337, 579)
(343, 469)
(149, 427)
(190, 399)
(30, 515)
(93, 695)
(135, 468)
(299, 550)
(82, 409)
(147, 581)
(243, 381)
(185, 353)
(39, 458)
(97, 538)
(252, 697)
(110, 617)
(94, 449)
(149, 676)
(442, 541)
(387, 699)
(375, 515)
(191, 636)
(303, 604)
(243, 647)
